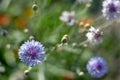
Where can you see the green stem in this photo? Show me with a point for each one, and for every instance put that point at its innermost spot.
(74, 5)
(107, 24)
(82, 43)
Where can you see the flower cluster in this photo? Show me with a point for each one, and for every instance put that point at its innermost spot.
(31, 53)
(111, 9)
(97, 67)
(68, 17)
(94, 36)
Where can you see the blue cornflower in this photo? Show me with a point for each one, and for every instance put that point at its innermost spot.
(31, 53)
(97, 67)
(4, 32)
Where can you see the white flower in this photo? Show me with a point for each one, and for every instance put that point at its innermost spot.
(68, 18)
(111, 9)
(94, 36)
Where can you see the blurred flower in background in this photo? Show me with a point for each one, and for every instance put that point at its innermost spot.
(111, 9)
(4, 32)
(20, 22)
(68, 17)
(4, 19)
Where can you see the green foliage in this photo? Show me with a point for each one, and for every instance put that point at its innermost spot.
(45, 26)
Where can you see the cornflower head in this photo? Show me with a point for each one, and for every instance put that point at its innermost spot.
(4, 32)
(97, 67)
(94, 36)
(31, 53)
(111, 9)
(68, 17)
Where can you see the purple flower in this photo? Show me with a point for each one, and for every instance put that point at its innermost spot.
(97, 67)
(111, 9)
(31, 53)
(4, 32)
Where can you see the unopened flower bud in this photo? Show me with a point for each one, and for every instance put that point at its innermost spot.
(88, 5)
(81, 73)
(8, 46)
(65, 39)
(31, 37)
(26, 30)
(26, 72)
(35, 7)
(85, 45)
(74, 45)
(59, 48)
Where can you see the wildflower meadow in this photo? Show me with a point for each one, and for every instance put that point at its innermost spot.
(59, 39)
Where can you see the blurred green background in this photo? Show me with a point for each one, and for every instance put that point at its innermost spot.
(62, 63)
